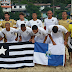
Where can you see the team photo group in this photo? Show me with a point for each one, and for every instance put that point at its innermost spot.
(52, 31)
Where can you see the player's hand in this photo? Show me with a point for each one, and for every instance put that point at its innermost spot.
(33, 41)
(54, 43)
(44, 42)
(20, 40)
(65, 43)
(5, 40)
(16, 38)
(30, 40)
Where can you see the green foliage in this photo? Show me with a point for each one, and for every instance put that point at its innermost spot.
(44, 1)
(33, 9)
(46, 9)
(1, 13)
(62, 1)
(14, 15)
(59, 13)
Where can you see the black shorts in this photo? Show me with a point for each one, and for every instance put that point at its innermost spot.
(69, 50)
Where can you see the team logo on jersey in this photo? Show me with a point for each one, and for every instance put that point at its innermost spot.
(27, 32)
(11, 32)
(59, 31)
(37, 21)
(10, 21)
(24, 22)
(52, 20)
(39, 32)
(67, 21)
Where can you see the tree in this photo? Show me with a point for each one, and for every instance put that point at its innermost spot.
(46, 9)
(1, 13)
(44, 1)
(33, 9)
(14, 15)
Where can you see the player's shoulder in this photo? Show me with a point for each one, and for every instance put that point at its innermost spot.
(12, 20)
(54, 18)
(0, 32)
(31, 20)
(69, 19)
(18, 20)
(60, 26)
(3, 21)
(19, 30)
(12, 28)
(52, 26)
(28, 28)
(40, 28)
(38, 20)
(4, 29)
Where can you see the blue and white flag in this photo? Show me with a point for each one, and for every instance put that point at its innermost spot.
(48, 54)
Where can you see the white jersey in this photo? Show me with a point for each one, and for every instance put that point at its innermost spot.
(19, 22)
(26, 35)
(37, 22)
(40, 35)
(70, 42)
(48, 22)
(57, 37)
(1, 36)
(10, 35)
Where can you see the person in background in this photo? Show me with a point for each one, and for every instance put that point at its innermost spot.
(35, 21)
(50, 20)
(65, 22)
(7, 19)
(69, 36)
(22, 20)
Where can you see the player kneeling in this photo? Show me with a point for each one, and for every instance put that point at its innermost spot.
(9, 33)
(39, 34)
(55, 33)
(24, 33)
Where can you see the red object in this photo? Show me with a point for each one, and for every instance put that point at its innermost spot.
(6, 6)
(45, 27)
